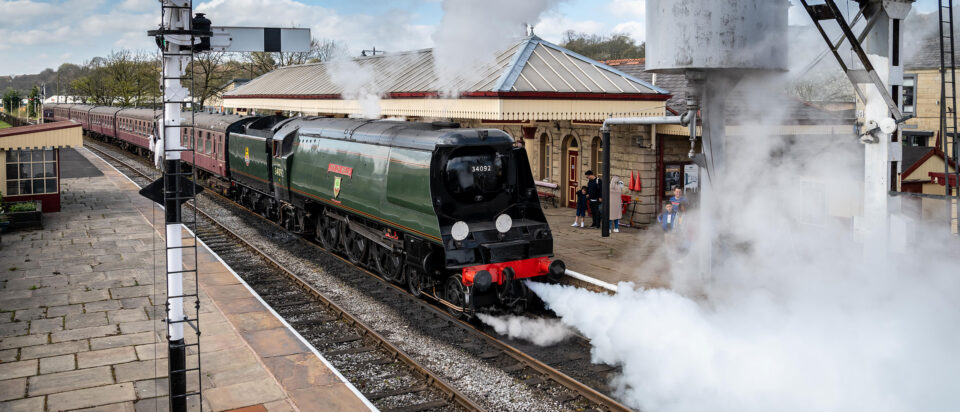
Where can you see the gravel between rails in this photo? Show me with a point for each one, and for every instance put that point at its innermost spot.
(443, 349)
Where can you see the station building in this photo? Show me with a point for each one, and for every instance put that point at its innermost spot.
(921, 95)
(30, 161)
(550, 99)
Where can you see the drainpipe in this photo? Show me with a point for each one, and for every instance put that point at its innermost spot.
(605, 133)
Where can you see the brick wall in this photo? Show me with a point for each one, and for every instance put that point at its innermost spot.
(626, 156)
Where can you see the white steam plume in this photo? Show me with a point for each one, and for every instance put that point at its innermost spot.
(541, 332)
(792, 317)
(472, 32)
(358, 82)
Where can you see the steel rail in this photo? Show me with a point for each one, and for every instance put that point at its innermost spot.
(560, 378)
(429, 377)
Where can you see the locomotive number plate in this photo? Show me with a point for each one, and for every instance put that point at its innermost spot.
(481, 168)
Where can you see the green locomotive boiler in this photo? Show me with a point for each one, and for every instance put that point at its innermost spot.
(448, 212)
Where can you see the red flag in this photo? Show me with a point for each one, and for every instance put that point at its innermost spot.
(639, 185)
(632, 181)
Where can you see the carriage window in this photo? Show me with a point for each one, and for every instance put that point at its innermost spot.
(209, 144)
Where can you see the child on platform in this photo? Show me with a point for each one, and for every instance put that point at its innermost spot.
(669, 219)
(582, 204)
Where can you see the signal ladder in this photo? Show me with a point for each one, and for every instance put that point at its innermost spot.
(948, 112)
(179, 188)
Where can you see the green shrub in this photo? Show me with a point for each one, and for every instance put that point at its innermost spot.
(22, 207)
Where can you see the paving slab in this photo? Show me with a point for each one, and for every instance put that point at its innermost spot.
(635, 254)
(80, 310)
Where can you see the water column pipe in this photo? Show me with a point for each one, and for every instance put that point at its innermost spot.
(605, 134)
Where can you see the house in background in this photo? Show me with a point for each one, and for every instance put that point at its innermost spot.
(922, 166)
(921, 95)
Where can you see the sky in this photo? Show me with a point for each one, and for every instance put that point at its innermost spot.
(38, 34)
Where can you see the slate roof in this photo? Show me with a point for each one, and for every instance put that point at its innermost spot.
(927, 56)
(531, 65)
(913, 154)
(675, 84)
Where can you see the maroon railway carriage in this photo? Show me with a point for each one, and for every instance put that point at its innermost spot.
(103, 120)
(47, 113)
(136, 127)
(208, 139)
(61, 111)
(80, 113)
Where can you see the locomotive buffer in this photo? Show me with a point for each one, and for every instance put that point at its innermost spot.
(180, 36)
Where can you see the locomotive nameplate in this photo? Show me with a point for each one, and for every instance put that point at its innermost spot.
(342, 170)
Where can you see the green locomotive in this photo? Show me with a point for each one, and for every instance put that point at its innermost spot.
(451, 213)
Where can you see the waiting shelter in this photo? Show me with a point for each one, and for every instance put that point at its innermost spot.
(30, 161)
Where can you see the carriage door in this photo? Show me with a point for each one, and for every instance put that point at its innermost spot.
(573, 177)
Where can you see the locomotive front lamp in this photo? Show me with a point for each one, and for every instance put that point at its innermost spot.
(504, 223)
(459, 231)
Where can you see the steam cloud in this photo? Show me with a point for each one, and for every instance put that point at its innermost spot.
(541, 332)
(358, 82)
(792, 316)
(472, 32)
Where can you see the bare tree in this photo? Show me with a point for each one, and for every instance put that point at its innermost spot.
(121, 69)
(258, 63)
(92, 85)
(209, 75)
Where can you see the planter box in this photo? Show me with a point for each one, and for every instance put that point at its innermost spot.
(20, 220)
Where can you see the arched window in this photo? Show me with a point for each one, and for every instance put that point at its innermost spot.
(596, 156)
(544, 156)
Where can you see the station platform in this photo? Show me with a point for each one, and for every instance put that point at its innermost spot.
(81, 305)
(632, 255)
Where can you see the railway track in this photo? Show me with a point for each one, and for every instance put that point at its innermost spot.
(563, 373)
(383, 373)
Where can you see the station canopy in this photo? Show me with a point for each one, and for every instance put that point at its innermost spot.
(531, 80)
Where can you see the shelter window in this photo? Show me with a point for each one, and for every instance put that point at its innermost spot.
(31, 172)
(909, 93)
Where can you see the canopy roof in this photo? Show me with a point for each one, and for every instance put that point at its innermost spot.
(532, 67)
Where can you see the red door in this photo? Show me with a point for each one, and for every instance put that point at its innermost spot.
(572, 177)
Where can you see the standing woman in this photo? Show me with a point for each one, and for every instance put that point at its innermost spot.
(616, 203)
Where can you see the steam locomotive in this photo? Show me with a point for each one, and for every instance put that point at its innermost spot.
(450, 213)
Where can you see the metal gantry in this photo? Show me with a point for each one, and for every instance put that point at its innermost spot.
(948, 112)
(867, 75)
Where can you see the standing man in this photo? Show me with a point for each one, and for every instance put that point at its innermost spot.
(595, 194)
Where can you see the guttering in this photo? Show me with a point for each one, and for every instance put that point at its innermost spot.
(681, 120)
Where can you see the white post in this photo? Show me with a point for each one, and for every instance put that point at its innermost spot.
(176, 51)
(883, 46)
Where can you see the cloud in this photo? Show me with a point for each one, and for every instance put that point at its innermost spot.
(552, 26)
(634, 29)
(628, 8)
(390, 29)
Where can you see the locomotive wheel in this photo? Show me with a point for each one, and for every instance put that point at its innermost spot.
(453, 293)
(328, 233)
(389, 265)
(356, 247)
(415, 282)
